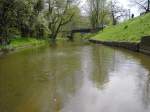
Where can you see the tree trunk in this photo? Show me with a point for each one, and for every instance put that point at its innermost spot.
(148, 7)
(53, 37)
(113, 18)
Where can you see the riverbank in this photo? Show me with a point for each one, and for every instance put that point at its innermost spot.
(143, 46)
(129, 31)
(22, 43)
(128, 45)
(132, 34)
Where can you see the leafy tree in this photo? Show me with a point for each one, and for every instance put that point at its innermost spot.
(7, 17)
(58, 15)
(97, 12)
(35, 18)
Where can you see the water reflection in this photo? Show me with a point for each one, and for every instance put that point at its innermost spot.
(75, 77)
(119, 90)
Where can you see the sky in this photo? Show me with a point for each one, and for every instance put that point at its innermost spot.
(125, 3)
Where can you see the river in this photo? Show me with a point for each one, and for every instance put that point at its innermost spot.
(75, 77)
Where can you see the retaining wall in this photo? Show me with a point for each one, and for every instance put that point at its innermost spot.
(128, 45)
(143, 46)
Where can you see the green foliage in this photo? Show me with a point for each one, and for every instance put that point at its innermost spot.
(13, 32)
(21, 17)
(97, 12)
(126, 26)
(131, 30)
(58, 15)
(76, 22)
(25, 42)
(39, 6)
(20, 43)
(36, 18)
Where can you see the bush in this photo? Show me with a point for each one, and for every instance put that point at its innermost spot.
(13, 32)
(126, 27)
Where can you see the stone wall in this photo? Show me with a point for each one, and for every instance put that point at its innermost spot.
(145, 45)
(128, 45)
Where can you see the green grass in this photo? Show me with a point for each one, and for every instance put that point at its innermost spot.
(23, 43)
(129, 31)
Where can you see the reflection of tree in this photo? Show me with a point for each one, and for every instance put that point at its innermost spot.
(104, 63)
(62, 68)
(143, 78)
(146, 92)
(145, 62)
(43, 77)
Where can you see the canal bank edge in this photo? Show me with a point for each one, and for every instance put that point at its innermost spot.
(11, 48)
(143, 46)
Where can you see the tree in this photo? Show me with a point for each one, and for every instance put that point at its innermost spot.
(116, 11)
(36, 26)
(23, 16)
(39, 6)
(27, 15)
(143, 4)
(97, 12)
(7, 17)
(76, 19)
(58, 15)
(32, 18)
(19, 15)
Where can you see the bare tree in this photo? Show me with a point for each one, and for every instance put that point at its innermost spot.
(116, 11)
(142, 4)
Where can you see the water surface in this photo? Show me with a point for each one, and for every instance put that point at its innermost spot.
(75, 77)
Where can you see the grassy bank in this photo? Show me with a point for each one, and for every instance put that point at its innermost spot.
(20, 43)
(129, 31)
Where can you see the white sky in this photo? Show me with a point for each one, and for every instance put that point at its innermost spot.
(126, 4)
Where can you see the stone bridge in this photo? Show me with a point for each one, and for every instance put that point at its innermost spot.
(82, 31)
